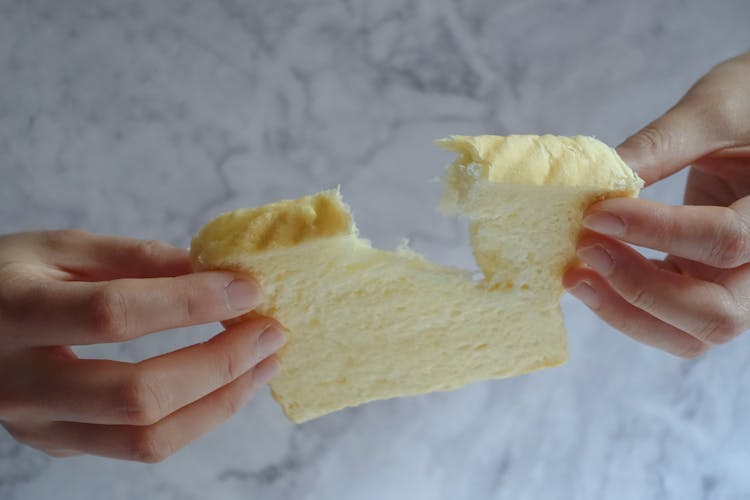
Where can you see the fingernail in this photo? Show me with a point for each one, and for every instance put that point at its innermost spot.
(242, 294)
(266, 371)
(270, 341)
(605, 223)
(584, 292)
(597, 258)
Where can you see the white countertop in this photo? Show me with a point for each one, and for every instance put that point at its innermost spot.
(147, 119)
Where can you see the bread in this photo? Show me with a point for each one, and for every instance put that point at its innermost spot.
(366, 324)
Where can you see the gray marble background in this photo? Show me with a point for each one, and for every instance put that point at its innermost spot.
(148, 118)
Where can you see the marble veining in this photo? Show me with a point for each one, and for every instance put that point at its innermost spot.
(147, 118)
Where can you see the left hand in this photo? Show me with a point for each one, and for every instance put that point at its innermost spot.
(700, 294)
(64, 288)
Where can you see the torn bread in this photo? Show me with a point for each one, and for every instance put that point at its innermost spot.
(366, 324)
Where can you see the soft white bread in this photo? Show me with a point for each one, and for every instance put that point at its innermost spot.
(368, 324)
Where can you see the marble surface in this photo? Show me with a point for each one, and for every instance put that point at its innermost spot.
(146, 118)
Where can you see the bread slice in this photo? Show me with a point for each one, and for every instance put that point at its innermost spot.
(368, 324)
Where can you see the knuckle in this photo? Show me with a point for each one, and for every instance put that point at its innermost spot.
(192, 307)
(722, 325)
(692, 349)
(227, 364)
(231, 404)
(668, 223)
(16, 285)
(197, 299)
(149, 446)
(147, 250)
(59, 239)
(652, 139)
(189, 299)
(730, 247)
(641, 298)
(140, 400)
(109, 311)
(715, 332)
(727, 115)
(14, 269)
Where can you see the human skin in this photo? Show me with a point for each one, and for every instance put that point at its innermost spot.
(699, 295)
(64, 288)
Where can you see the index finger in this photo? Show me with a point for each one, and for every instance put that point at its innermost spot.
(49, 312)
(715, 236)
(86, 256)
(112, 392)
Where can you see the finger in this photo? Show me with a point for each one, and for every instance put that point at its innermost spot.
(154, 443)
(87, 256)
(716, 236)
(36, 436)
(110, 392)
(707, 311)
(667, 144)
(593, 291)
(738, 152)
(55, 313)
(698, 125)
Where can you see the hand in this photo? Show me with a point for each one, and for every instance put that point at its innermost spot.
(65, 288)
(700, 294)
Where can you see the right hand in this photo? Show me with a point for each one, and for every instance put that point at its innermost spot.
(699, 295)
(64, 288)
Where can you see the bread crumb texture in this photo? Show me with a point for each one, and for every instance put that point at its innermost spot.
(366, 324)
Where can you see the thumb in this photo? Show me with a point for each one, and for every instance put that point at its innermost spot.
(669, 143)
